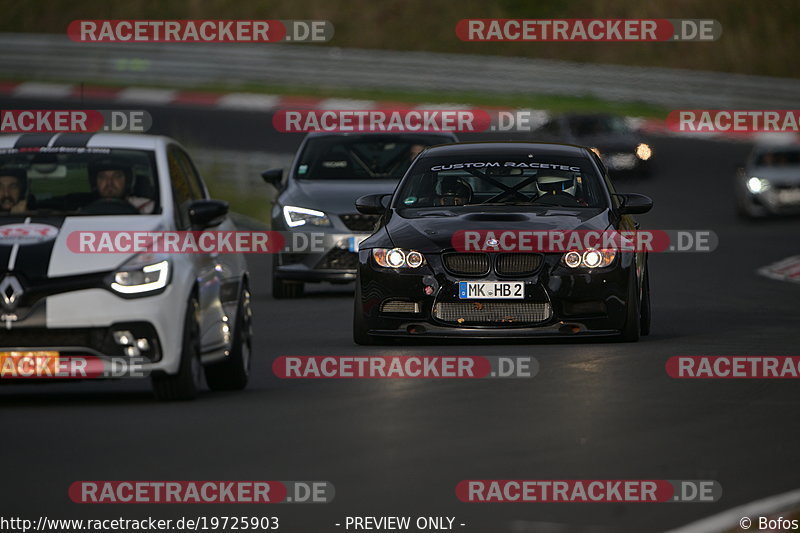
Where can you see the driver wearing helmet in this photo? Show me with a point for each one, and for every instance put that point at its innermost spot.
(113, 179)
(453, 191)
(553, 185)
(13, 189)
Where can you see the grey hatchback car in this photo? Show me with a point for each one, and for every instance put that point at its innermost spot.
(316, 201)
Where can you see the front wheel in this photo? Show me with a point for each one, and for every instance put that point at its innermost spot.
(234, 371)
(186, 382)
(286, 289)
(633, 316)
(646, 312)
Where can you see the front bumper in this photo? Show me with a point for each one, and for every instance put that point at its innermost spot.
(319, 256)
(577, 303)
(770, 202)
(82, 323)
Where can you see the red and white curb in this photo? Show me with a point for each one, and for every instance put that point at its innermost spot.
(233, 101)
(785, 270)
(256, 102)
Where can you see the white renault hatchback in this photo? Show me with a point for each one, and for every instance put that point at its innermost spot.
(179, 314)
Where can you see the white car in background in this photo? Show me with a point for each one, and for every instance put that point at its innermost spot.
(181, 313)
(769, 183)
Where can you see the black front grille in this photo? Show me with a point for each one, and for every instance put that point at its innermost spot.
(77, 340)
(47, 338)
(339, 259)
(518, 264)
(360, 222)
(467, 264)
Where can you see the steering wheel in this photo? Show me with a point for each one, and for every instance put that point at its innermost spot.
(109, 206)
(560, 199)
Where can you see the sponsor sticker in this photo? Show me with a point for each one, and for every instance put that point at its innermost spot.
(26, 234)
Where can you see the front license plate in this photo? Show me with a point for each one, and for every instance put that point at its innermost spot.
(490, 290)
(28, 364)
(354, 242)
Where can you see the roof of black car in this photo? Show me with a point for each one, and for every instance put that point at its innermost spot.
(504, 148)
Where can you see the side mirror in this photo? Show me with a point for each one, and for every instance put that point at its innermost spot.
(634, 204)
(371, 204)
(273, 176)
(207, 213)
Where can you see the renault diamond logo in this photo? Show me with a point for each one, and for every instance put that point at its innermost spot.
(10, 292)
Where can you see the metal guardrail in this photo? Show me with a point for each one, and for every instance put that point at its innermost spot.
(55, 57)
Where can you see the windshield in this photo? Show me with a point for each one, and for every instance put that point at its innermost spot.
(516, 180)
(362, 157)
(599, 125)
(77, 181)
(778, 158)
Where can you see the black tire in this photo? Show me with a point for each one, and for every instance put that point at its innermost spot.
(286, 289)
(633, 322)
(360, 335)
(184, 384)
(234, 371)
(646, 312)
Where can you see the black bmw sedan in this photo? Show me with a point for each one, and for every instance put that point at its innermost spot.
(416, 277)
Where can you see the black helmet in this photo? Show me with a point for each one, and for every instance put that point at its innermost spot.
(454, 191)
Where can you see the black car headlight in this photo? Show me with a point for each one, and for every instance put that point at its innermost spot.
(590, 258)
(644, 152)
(143, 275)
(397, 258)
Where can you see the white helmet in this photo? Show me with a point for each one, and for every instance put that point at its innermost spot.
(555, 184)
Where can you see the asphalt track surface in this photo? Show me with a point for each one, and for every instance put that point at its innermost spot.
(596, 410)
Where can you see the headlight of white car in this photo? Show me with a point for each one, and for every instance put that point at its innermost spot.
(398, 258)
(757, 185)
(299, 216)
(143, 275)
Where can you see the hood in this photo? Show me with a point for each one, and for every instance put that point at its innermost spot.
(785, 175)
(434, 231)
(47, 255)
(334, 196)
